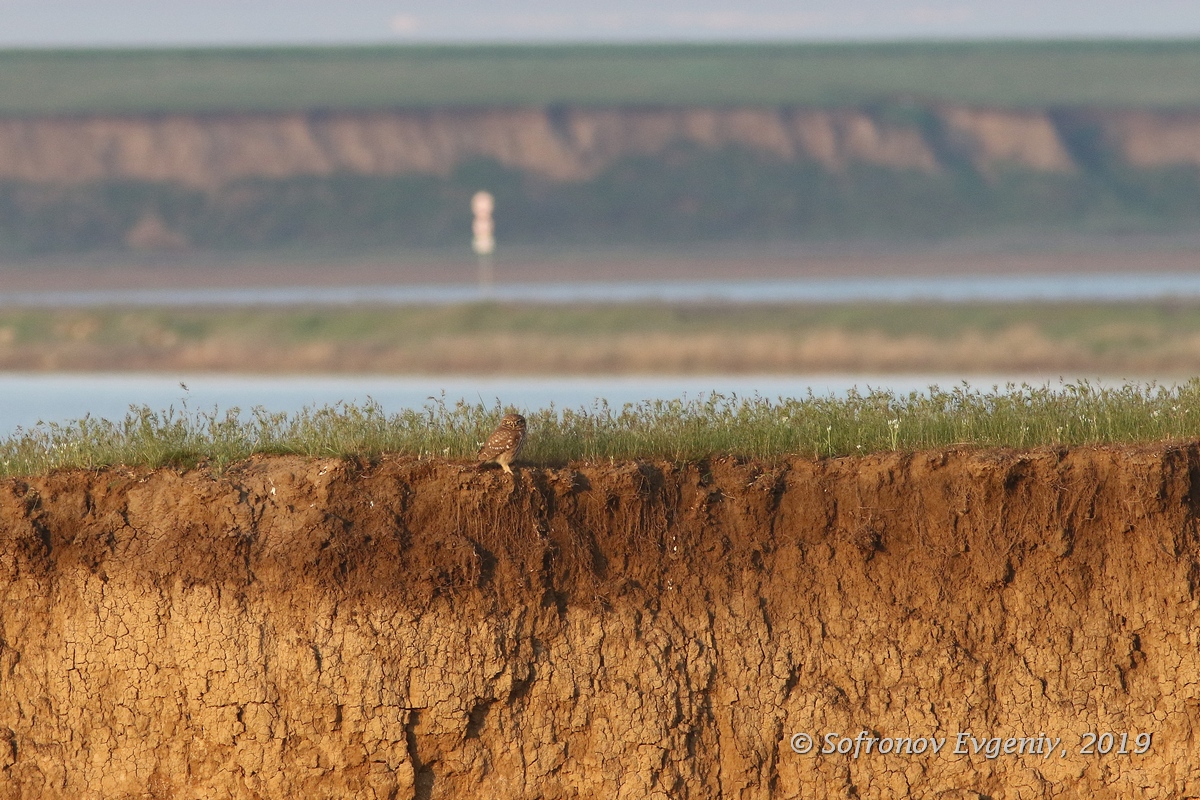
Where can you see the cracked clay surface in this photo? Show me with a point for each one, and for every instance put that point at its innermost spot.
(415, 629)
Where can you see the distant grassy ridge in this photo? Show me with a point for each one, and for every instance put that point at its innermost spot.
(1006, 74)
(685, 193)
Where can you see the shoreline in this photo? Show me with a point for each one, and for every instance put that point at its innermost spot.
(827, 352)
(721, 261)
(1131, 340)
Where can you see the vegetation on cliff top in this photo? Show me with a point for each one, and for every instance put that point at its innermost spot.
(681, 430)
(1097, 74)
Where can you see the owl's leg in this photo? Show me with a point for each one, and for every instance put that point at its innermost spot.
(503, 462)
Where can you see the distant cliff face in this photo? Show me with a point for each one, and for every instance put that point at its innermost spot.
(617, 174)
(564, 145)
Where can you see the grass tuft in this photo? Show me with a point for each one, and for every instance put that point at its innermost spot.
(681, 430)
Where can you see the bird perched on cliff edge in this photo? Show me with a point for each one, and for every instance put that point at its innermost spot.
(505, 443)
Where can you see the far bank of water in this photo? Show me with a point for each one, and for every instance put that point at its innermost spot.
(1056, 287)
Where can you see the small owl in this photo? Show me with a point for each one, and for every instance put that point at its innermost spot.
(504, 445)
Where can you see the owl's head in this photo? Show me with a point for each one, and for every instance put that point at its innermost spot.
(513, 422)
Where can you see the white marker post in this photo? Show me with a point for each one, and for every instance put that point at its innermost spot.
(484, 241)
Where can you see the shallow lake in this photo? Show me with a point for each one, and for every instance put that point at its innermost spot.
(960, 288)
(30, 398)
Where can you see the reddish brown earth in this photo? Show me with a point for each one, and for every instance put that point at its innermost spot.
(327, 628)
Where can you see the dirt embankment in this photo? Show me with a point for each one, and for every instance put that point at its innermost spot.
(572, 144)
(323, 628)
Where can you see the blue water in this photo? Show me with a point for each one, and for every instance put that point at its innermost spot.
(33, 398)
(996, 288)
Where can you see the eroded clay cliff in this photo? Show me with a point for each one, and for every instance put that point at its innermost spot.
(561, 144)
(419, 629)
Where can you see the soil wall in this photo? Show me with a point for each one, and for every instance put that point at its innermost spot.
(420, 629)
(345, 181)
(573, 144)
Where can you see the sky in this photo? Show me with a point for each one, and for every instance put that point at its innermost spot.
(106, 23)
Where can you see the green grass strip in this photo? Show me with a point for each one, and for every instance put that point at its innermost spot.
(679, 430)
(1139, 74)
